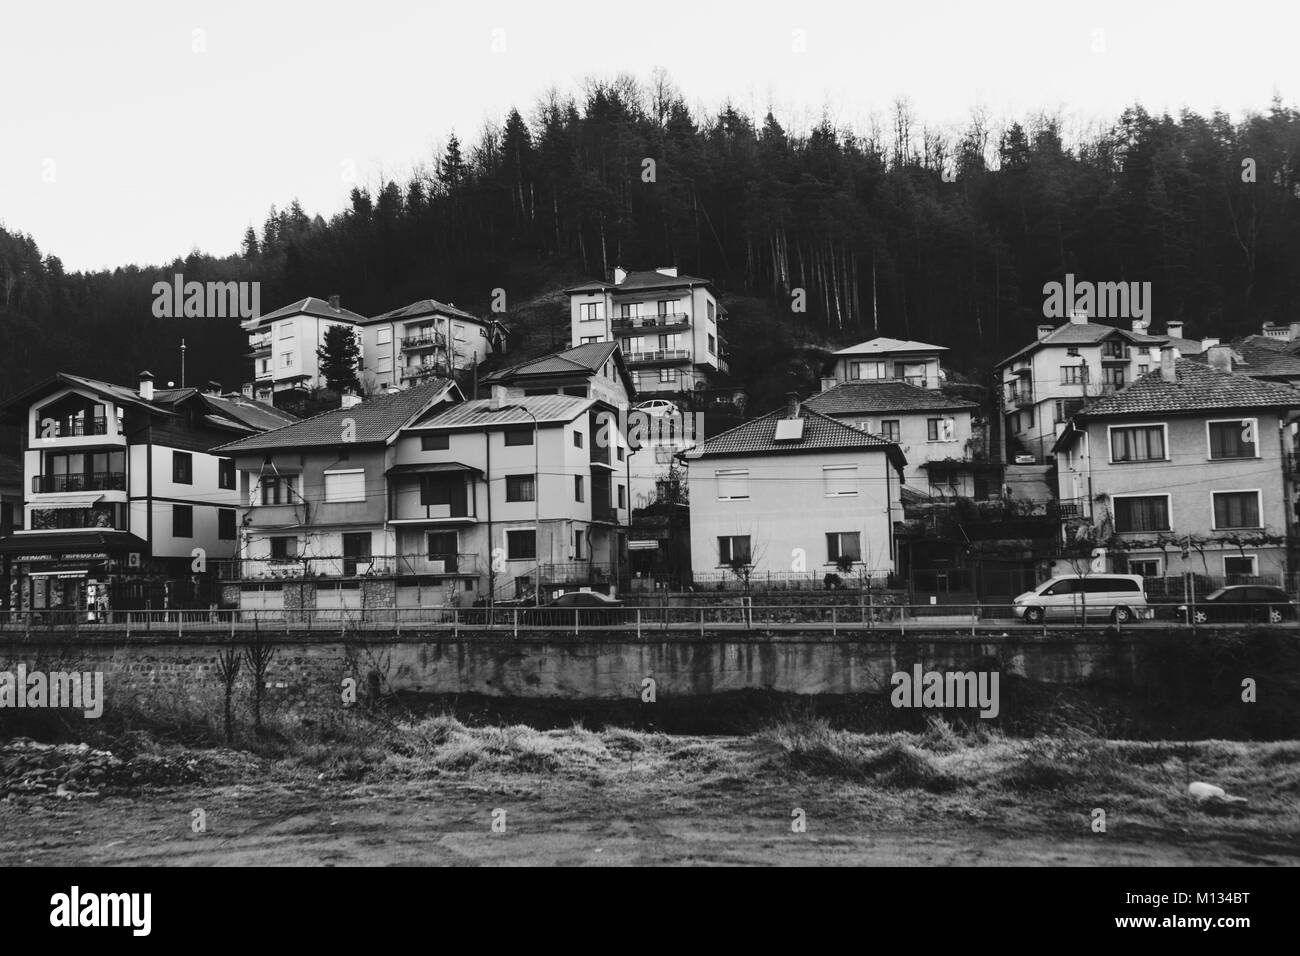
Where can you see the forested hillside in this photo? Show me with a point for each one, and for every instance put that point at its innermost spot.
(901, 229)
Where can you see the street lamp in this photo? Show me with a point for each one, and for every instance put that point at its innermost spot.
(537, 498)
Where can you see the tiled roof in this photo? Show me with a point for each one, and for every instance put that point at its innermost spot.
(1084, 333)
(1198, 388)
(375, 420)
(1262, 358)
(882, 345)
(308, 306)
(581, 359)
(848, 398)
(820, 433)
(642, 280)
(479, 413)
(257, 415)
(423, 307)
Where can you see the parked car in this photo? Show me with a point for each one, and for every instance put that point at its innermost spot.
(1119, 597)
(656, 406)
(586, 607)
(1246, 603)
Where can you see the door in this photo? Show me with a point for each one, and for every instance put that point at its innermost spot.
(356, 552)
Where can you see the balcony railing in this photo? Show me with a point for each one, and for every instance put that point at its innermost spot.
(1020, 399)
(65, 428)
(410, 372)
(96, 481)
(433, 340)
(667, 320)
(659, 355)
(351, 566)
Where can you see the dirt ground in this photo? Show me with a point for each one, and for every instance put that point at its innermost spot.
(623, 801)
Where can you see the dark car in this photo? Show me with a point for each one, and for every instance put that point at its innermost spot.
(1243, 603)
(587, 608)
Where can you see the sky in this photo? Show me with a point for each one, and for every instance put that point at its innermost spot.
(134, 132)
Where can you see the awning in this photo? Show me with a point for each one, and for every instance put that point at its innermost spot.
(432, 468)
(71, 501)
(49, 545)
(57, 574)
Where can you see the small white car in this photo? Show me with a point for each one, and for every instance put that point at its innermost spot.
(1119, 597)
(656, 406)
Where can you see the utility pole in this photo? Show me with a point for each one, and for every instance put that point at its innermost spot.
(182, 363)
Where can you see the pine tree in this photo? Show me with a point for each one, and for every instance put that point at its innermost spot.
(338, 358)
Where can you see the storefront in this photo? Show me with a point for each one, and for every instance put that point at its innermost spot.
(70, 572)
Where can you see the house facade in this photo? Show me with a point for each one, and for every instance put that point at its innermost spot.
(421, 341)
(1189, 469)
(884, 359)
(669, 326)
(794, 493)
(282, 344)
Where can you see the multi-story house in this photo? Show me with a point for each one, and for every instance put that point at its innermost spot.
(669, 325)
(283, 343)
(125, 497)
(594, 370)
(793, 493)
(1263, 357)
(423, 340)
(315, 510)
(514, 493)
(1190, 468)
(884, 359)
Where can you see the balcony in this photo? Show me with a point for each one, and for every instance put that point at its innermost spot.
(427, 341)
(1020, 399)
(77, 427)
(377, 565)
(96, 481)
(670, 320)
(659, 356)
(419, 372)
(259, 345)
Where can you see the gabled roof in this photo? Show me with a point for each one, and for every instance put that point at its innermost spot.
(820, 433)
(232, 410)
(16, 407)
(374, 421)
(480, 414)
(423, 307)
(1083, 333)
(642, 281)
(883, 345)
(1261, 357)
(581, 360)
(1199, 388)
(849, 398)
(308, 306)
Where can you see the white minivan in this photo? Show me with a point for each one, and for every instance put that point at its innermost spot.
(1119, 597)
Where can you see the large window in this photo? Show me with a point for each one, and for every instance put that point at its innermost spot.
(941, 429)
(434, 442)
(519, 436)
(734, 549)
(1142, 513)
(226, 473)
(839, 481)
(1137, 443)
(891, 428)
(182, 521)
(182, 468)
(868, 371)
(577, 488)
(521, 488)
(1074, 374)
(284, 548)
(521, 545)
(1234, 439)
(343, 486)
(591, 312)
(843, 545)
(226, 524)
(733, 484)
(281, 490)
(1236, 509)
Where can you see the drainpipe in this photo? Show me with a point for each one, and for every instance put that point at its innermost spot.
(487, 485)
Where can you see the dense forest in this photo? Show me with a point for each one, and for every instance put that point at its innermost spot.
(902, 229)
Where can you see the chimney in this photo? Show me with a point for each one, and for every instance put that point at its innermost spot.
(619, 275)
(1138, 326)
(349, 400)
(146, 386)
(246, 390)
(791, 404)
(1174, 329)
(334, 302)
(827, 383)
(213, 388)
(1220, 357)
(1168, 368)
(1079, 317)
(500, 396)
(1044, 331)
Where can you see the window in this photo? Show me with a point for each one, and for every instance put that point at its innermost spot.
(521, 488)
(589, 340)
(1241, 564)
(577, 488)
(435, 442)
(577, 545)
(182, 468)
(226, 473)
(591, 312)
(286, 359)
(733, 484)
(1236, 509)
(941, 429)
(1142, 513)
(1074, 374)
(1137, 443)
(1029, 417)
(870, 371)
(519, 436)
(1234, 439)
(622, 497)
(839, 481)
(384, 336)
(344, 486)
(182, 521)
(666, 306)
(1013, 422)
(521, 545)
(1143, 369)
(1072, 352)
(458, 332)
(713, 311)
(891, 429)
(619, 451)
(1147, 567)
(226, 524)
(734, 549)
(713, 344)
(577, 439)
(667, 375)
(1113, 376)
(279, 490)
(284, 549)
(625, 310)
(441, 544)
(843, 545)
(1067, 408)
(286, 330)
(443, 490)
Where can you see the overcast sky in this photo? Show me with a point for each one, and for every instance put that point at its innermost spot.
(121, 142)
